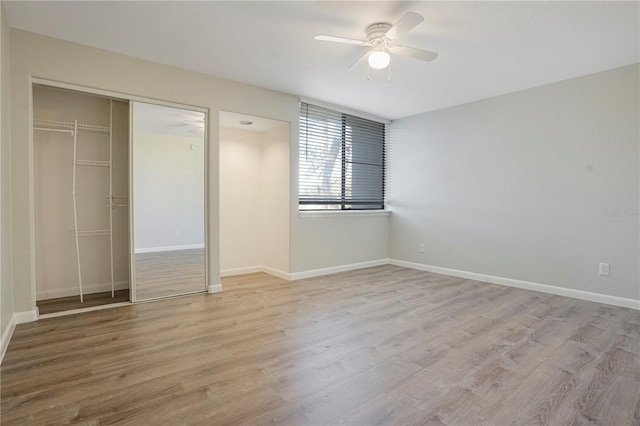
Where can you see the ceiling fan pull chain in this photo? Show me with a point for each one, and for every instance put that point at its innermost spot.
(389, 75)
(368, 72)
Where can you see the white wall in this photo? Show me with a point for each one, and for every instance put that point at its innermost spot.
(240, 192)
(254, 200)
(6, 276)
(168, 192)
(275, 223)
(327, 241)
(540, 185)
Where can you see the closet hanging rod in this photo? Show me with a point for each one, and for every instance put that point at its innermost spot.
(53, 130)
(117, 197)
(94, 163)
(93, 232)
(92, 128)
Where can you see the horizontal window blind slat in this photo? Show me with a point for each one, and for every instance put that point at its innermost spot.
(341, 160)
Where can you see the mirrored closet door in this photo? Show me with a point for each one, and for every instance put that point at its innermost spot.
(168, 201)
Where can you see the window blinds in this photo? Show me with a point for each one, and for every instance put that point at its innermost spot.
(341, 161)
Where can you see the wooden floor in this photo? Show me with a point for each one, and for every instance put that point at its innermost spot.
(383, 345)
(70, 303)
(159, 274)
(169, 273)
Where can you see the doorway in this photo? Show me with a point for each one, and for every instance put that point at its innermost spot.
(254, 194)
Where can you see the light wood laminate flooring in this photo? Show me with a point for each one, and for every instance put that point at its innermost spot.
(383, 345)
(169, 273)
(70, 303)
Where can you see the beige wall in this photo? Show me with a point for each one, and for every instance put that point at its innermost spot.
(539, 186)
(275, 177)
(254, 200)
(325, 242)
(6, 277)
(240, 192)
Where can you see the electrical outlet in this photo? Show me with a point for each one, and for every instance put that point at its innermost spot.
(604, 269)
(422, 247)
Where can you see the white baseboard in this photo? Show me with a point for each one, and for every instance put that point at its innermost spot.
(6, 337)
(214, 288)
(16, 318)
(240, 271)
(544, 288)
(168, 248)
(276, 273)
(335, 269)
(26, 316)
(253, 269)
(305, 274)
(53, 293)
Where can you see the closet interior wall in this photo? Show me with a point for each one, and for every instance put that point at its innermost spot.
(254, 200)
(101, 146)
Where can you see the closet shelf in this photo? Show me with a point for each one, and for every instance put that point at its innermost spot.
(94, 163)
(53, 130)
(67, 127)
(93, 233)
(52, 125)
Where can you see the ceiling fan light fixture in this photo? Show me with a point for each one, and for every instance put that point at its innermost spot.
(379, 59)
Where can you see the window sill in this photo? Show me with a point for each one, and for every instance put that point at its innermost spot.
(342, 213)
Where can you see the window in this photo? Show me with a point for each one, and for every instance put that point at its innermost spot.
(341, 161)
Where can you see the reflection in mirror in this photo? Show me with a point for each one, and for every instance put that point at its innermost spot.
(168, 169)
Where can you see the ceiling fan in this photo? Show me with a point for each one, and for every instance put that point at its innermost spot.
(189, 121)
(381, 39)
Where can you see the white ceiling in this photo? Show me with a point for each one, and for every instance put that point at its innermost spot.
(166, 120)
(486, 48)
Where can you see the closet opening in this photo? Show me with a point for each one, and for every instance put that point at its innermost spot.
(254, 195)
(81, 188)
(120, 198)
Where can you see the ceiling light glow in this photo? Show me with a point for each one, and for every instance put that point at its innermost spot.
(379, 59)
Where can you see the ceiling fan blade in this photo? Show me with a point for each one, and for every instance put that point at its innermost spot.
(366, 54)
(408, 21)
(323, 37)
(412, 52)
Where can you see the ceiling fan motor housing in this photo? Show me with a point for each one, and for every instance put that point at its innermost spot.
(376, 32)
